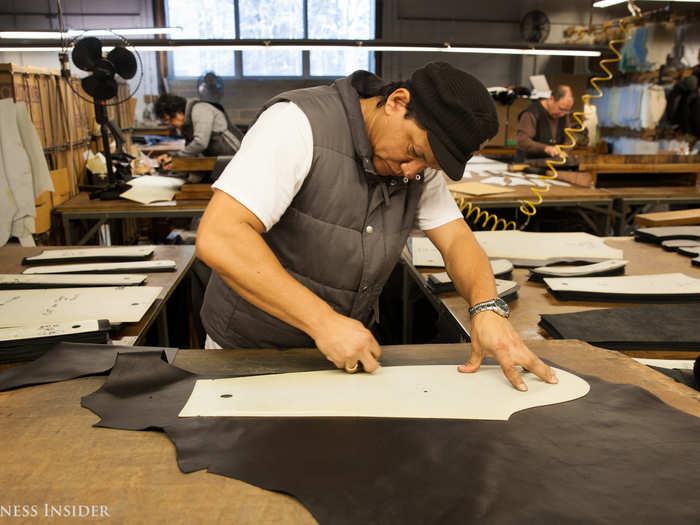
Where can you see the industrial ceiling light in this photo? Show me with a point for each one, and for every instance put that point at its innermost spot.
(72, 33)
(309, 45)
(608, 3)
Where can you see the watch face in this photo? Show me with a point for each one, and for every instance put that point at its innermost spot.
(503, 306)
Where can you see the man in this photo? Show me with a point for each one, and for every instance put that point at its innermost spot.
(205, 126)
(541, 126)
(311, 215)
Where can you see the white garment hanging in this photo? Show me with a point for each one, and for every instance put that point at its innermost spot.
(24, 173)
(656, 105)
(590, 123)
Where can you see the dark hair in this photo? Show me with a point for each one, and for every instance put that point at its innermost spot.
(559, 92)
(388, 89)
(169, 105)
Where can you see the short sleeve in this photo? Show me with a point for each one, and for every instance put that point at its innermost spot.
(436, 206)
(272, 163)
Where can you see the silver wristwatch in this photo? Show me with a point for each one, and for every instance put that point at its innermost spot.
(497, 305)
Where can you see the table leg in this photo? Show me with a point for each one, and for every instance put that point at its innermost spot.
(66, 230)
(407, 324)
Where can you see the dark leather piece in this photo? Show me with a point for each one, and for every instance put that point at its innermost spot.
(27, 261)
(658, 234)
(539, 277)
(609, 297)
(652, 327)
(617, 455)
(686, 377)
(145, 390)
(673, 245)
(65, 361)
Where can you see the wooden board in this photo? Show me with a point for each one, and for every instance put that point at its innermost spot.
(669, 218)
(193, 163)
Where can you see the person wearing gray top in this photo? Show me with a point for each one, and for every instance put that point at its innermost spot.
(314, 276)
(205, 126)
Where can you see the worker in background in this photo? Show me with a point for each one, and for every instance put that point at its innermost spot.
(204, 125)
(342, 173)
(541, 126)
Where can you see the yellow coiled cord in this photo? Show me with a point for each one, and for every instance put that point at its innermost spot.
(529, 207)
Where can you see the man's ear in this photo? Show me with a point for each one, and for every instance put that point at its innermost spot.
(398, 100)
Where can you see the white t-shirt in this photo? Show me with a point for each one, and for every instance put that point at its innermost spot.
(275, 158)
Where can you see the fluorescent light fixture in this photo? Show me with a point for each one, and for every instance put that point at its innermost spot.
(608, 3)
(309, 45)
(72, 33)
(29, 49)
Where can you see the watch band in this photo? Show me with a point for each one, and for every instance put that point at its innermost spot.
(497, 305)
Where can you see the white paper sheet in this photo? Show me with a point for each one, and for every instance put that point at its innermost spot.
(147, 195)
(116, 304)
(541, 249)
(428, 392)
(157, 181)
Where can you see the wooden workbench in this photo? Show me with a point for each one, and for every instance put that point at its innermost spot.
(131, 333)
(52, 454)
(81, 207)
(534, 300)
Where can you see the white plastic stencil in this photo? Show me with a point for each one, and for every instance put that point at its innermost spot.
(582, 270)
(48, 330)
(135, 266)
(116, 304)
(69, 280)
(656, 284)
(96, 253)
(540, 249)
(501, 266)
(427, 392)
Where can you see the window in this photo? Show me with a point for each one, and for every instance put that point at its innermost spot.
(285, 19)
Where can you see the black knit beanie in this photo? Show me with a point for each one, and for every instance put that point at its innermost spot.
(457, 112)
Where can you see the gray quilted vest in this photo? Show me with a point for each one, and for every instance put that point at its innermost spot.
(342, 233)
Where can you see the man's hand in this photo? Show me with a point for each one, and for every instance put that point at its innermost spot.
(492, 335)
(165, 161)
(555, 151)
(346, 342)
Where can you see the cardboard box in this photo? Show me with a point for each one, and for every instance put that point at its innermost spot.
(500, 138)
(62, 186)
(42, 222)
(514, 110)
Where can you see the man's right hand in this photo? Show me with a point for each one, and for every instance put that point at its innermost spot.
(555, 151)
(346, 342)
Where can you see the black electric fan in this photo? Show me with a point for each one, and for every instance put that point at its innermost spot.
(101, 86)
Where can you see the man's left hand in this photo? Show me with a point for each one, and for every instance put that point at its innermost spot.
(492, 335)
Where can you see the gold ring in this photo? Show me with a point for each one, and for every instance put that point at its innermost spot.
(351, 370)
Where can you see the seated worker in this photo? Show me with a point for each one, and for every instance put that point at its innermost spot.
(301, 251)
(541, 126)
(205, 126)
